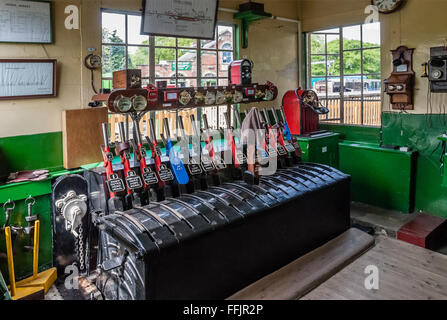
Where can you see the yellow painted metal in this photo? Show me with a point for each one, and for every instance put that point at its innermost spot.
(44, 280)
(36, 248)
(12, 278)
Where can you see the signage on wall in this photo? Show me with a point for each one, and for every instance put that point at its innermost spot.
(189, 19)
(182, 66)
(25, 21)
(20, 78)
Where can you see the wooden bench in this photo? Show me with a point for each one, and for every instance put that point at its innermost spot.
(306, 273)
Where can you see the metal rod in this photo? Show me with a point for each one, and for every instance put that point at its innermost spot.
(105, 133)
(122, 132)
(12, 278)
(136, 126)
(193, 124)
(36, 248)
(152, 129)
(167, 130)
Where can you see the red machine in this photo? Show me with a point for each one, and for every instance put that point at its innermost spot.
(302, 110)
(239, 72)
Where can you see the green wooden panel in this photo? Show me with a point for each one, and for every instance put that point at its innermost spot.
(380, 177)
(420, 132)
(38, 151)
(354, 133)
(322, 150)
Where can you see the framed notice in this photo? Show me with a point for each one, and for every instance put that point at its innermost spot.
(27, 78)
(25, 21)
(180, 18)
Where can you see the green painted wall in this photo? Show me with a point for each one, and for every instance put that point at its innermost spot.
(31, 152)
(420, 132)
(354, 133)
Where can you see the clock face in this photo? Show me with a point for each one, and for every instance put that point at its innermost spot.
(387, 6)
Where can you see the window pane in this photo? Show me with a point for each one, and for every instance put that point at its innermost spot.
(187, 43)
(224, 61)
(333, 101)
(317, 43)
(209, 63)
(164, 62)
(333, 44)
(139, 59)
(113, 28)
(371, 35)
(333, 65)
(318, 66)
(209, 82)
(133, 31)
(208, 44)
(223, 82)
(187, 62)
(353, 86)
(352, 62)
(187, 82)
(114, 59)
(371, 61)
(351, 37)
(165, 41)
(319, 86)
(225, 37)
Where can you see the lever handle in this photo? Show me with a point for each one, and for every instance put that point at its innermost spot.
(122, 132)
(194, 127)
(105, 134)
(137, 131)
(152, 129)
(275, 115)
(227, 119)
(182, 127)
(205, 121)
(237, 117)
(166, 126)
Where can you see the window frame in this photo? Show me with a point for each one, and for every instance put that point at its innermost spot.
(342, 75)
(197, 47)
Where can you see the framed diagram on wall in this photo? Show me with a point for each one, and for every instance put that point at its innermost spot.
(27, 78)
(25, 21)
(187, 19)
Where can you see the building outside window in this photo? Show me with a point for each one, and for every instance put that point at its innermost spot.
(344, 70)
(180, 62)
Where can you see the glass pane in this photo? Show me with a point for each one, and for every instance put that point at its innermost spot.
(371, 35)
(317, 43)
(144, 82)
(164, 62)
(353, 86)
(138, 58)
(107, 84)
(371, 61)
(333, 44)
(165, 41)
(224, 61)
(133, 31)
(351, 37)
(187, 43)
(208, 44)
(372, 85)
(187, 63)
(352, 62)
(114, 59)
(223, 82)
(225, 36)
(319, 86)
(187, 82)
(318, 66)
(209, 63)
(333, 65)
(333, 98)
(113, 28)
(208, 82)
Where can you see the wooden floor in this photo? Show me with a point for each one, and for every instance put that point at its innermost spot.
(406, 272)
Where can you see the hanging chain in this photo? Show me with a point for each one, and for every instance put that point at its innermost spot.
(81, 248)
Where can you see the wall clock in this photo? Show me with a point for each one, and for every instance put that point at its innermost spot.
(387, 6)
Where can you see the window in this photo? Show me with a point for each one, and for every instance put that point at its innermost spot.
(344, 69)
(180, 62)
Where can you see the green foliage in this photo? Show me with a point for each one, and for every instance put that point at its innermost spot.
(114, 57)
